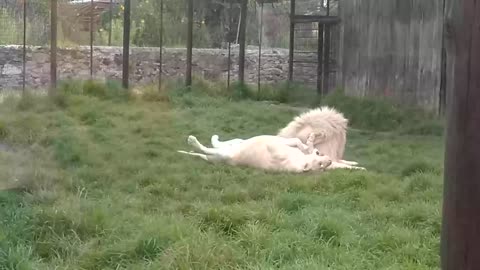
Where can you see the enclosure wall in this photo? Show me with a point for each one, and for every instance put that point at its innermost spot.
(393, 48)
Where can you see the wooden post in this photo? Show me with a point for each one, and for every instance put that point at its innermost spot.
(460, 244)
(160, 67)
(292, 41)
(92, 6)
(188, 74)
(242, 40)
(126, 44)
(320, 60)
(53, 45)
(326, 58)
(260, 38)
(230, 39)
(24, 45)
(110, 18)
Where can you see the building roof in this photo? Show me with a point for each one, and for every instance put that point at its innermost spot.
(80, 11)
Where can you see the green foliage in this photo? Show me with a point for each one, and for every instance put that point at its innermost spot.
(211, 20)
(70, 87)
(419, 167)
(426, 127)
(241, 91)
(12, 23)
(329, 231)
(276, 93)
(10, 33)
(3, 130)
(152, 93)
(381, 115)
(15, 232)
(96, 89)
(26, 102)
(111, 90)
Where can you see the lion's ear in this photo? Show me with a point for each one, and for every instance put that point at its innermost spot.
(320, 136)
(307, 167)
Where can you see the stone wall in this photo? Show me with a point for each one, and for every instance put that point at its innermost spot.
(211, 64)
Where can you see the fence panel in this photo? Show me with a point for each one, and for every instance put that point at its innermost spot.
(393, 49)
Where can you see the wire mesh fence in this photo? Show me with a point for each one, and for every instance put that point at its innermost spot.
(229, 40)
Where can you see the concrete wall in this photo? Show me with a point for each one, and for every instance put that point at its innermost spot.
(144, 62)
(393, 48)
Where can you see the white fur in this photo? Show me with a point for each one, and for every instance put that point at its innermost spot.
(272, 153)
(336, 164)
(329, 127)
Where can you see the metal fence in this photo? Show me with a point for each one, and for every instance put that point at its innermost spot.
(181, 27)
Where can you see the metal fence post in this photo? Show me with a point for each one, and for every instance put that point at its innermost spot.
(160, 68)
(242, 40)
(188, 79)
(24, 44)
(91, 37)
(126, 44)
(53, 45)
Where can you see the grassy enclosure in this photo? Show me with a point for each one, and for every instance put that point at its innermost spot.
(93, 181)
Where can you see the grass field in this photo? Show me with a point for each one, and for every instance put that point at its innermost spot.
(106, 189)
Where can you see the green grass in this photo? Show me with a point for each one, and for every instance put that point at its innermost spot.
(382, 115)
(105, 189)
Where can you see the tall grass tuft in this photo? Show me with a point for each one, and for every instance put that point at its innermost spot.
(381, 115)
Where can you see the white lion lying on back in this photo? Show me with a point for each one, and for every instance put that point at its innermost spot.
(314, 140)
(272, 153)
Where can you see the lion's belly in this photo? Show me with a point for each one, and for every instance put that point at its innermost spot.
(255, 153)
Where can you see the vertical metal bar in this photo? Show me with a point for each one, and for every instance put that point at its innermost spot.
(260, 33)
(24, 45)
(110, 18)
(126, 44)
(237, 39)
(292, 41)
(92, 6)
(160, 68)
(188, 75)
(326, 69)
(242, 40)
(229, 64)
(320, 59)
(53, 45)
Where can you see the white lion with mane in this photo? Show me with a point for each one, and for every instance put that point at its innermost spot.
(330, 129)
